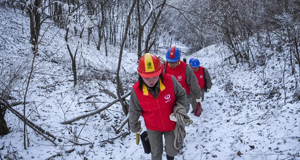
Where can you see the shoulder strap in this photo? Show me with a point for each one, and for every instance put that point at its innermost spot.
(165, 67)
(203, 74)
(204, 78)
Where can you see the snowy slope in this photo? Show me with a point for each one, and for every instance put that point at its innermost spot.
(245, 115)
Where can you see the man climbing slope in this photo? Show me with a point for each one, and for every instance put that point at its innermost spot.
(184, 75)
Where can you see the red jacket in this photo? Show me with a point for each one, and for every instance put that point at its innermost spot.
(180, 74)
(200, 77)
(156, 111)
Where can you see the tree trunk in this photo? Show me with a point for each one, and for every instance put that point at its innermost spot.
(141, 30)
(119, 84)
(99, 37)
(73, 58)
(89, 35)
(101, 33)
(297, 55)
(3, 126)
(105, 43)
(35, 23)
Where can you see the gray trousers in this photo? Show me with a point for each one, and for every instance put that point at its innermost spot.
(156, 143)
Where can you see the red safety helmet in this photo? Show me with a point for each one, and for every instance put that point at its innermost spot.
(149, 66)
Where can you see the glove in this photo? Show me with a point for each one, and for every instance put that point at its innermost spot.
(137, 134)
(173, 118)
(199, 100)
(137, 138)
(208, 89)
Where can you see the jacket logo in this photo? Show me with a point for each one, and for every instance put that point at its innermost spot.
(201, 76)
(167, 98)
(179, 78)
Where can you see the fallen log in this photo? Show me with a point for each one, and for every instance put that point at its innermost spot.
(33, 126)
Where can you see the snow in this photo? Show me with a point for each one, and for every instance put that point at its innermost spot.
(240, 113)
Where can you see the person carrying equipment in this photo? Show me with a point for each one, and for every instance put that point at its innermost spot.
(161, 100)
(203, 77)
(184, 75)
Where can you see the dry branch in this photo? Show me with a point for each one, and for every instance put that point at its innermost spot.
(60, 154)
(110, 139)
(122, 125)
(36, 128)
(92, 102)
(95, 112)
(17, 103)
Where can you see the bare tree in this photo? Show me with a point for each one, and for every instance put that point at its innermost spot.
(33, 10)
(141, 25)
(101, 33)
(120, 91)
(148, 45)
(90, 12)
(73, 56)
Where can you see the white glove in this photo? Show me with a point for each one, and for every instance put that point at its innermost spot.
(173, 118)
(199, 100)
(208, 89)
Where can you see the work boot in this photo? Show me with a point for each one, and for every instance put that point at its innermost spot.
(170, 158)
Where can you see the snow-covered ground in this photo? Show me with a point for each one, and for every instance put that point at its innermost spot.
(247, 114)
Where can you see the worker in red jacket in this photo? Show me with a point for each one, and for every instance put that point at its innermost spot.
(184, 75)
(154, 97)
(203, 77)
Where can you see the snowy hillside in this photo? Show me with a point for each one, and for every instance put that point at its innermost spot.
(248, 114)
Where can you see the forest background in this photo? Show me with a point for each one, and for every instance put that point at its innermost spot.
(81, 55)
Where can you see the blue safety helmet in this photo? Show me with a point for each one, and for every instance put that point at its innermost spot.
(173, 54)
(190, 61)
(195, 63)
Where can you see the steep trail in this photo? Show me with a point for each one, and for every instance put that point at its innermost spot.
(240, 120)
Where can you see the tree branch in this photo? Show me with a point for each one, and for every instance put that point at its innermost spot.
(36, 128)
(95, 112)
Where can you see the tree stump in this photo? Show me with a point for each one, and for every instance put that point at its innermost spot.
(3, 126)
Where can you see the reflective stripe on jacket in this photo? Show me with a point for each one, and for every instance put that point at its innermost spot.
(156, 111)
